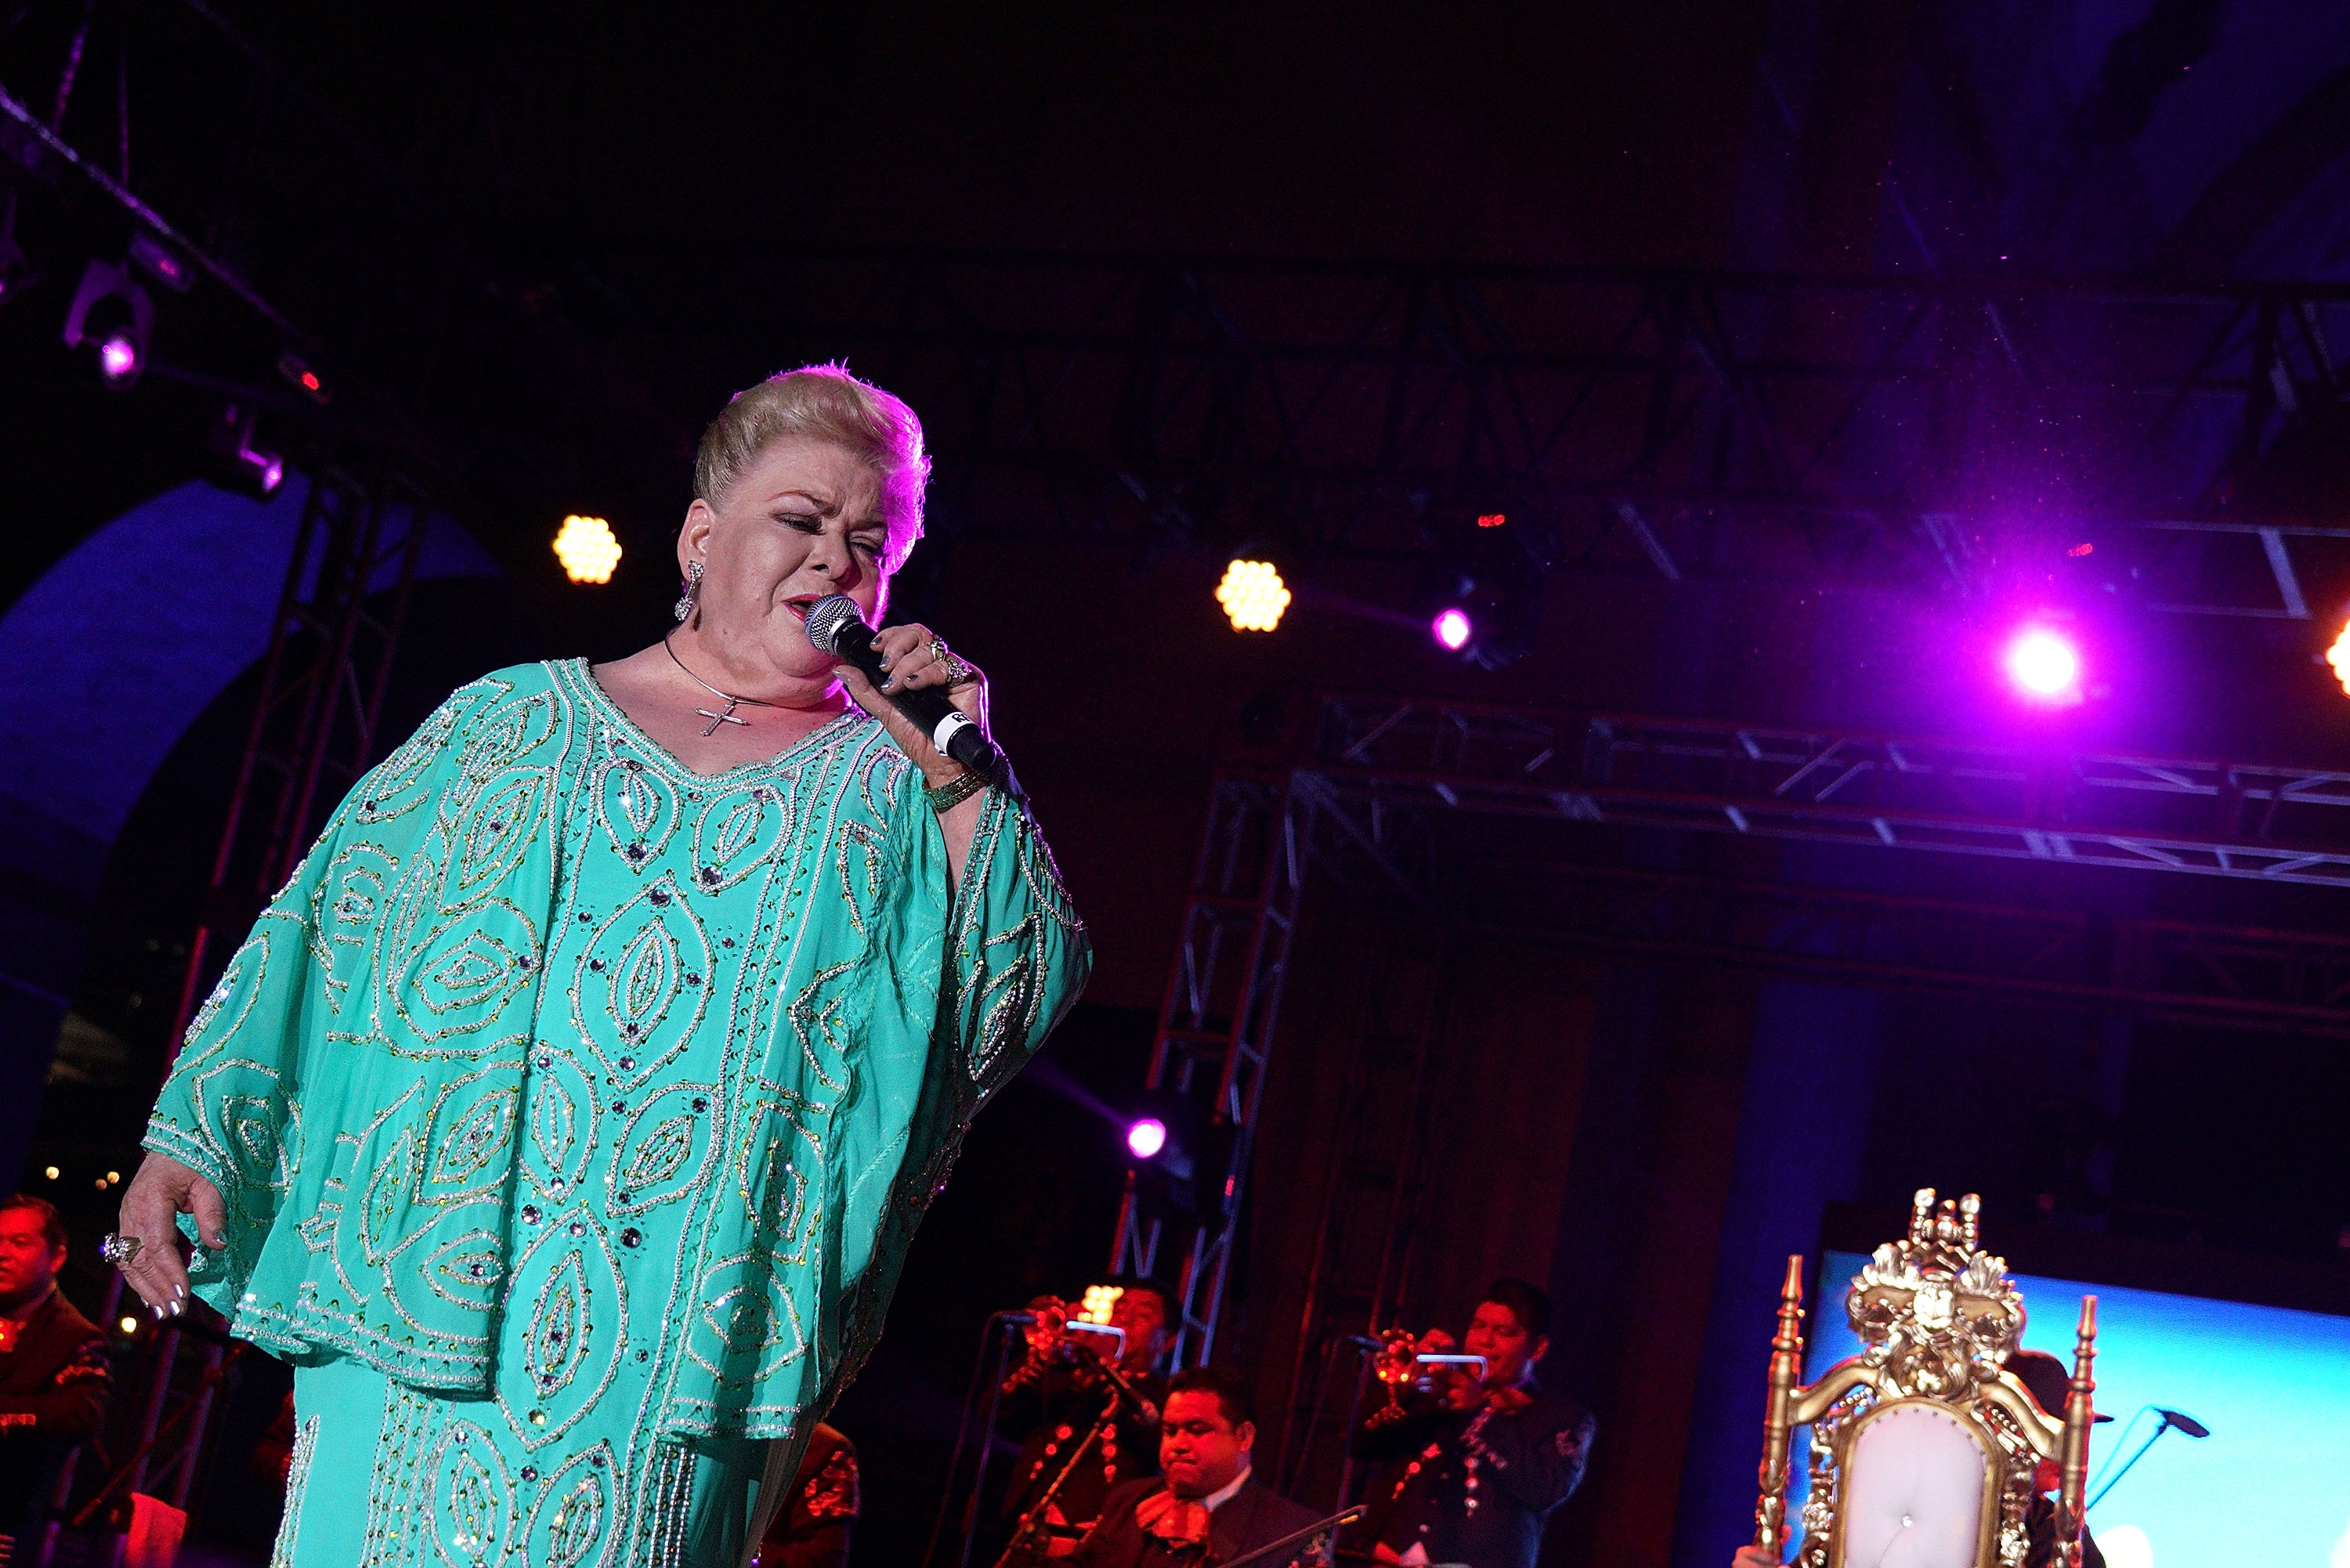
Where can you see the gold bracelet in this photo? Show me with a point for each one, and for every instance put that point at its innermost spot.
(949, 796)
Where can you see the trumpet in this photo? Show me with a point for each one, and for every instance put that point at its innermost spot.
(1400, 1360)
(1049, 1322)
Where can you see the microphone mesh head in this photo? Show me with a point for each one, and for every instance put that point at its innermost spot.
(826, 616)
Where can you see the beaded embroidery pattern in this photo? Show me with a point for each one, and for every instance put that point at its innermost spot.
(658, 1072)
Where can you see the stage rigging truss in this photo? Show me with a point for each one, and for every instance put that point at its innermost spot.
(1379, 782)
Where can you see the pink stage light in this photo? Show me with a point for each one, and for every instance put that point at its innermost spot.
(118, 357)
(1146, 1137)
(1451, 629)
(2043, 664)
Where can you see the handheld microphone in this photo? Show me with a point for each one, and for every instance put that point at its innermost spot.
(836, 627)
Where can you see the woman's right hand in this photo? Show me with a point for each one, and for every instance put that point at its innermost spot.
(161, 1190)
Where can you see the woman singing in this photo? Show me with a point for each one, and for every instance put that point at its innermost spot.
(565, 1120)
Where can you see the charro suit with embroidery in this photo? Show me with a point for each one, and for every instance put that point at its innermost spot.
(54, 1383)
(592, 1103)
(1475, 1487)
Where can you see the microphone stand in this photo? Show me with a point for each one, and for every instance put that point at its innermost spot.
(1035, 1517)
(1337, 1522)
(2152, 1438)
(1124, 1394)
(999, 1326)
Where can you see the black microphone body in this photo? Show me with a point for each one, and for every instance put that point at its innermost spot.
(836, 627)
(1144, 1410)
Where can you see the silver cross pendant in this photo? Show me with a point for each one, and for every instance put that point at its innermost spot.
(717, 719)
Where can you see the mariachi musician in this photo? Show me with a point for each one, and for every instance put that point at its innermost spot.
(1483, 1461)
(1054, 1398)
(1206, 1507)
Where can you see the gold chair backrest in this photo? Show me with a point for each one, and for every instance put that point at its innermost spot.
(1937, 1319)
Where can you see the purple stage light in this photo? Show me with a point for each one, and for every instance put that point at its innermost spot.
(2043, 664)
(1146, 1137)
(1451, 629)
(118, 357)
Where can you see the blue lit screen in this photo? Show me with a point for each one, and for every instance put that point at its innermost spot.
(2270, 1488)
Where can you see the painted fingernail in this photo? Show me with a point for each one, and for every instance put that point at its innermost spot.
(182, 1290)
(175, 1309)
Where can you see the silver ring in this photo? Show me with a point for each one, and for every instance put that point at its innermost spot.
(118, 1249)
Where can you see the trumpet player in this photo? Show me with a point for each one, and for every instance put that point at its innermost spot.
(1058, 1393)
(1479, 1461)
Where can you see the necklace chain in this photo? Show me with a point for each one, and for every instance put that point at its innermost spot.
(731, 701)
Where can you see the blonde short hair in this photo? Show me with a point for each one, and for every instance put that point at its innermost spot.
(826, 402)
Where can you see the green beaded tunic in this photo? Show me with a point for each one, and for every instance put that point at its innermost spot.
(604, 1096)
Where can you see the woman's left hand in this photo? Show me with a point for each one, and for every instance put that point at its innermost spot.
(917, 659)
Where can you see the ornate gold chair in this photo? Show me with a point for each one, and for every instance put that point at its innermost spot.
(1926, 1451)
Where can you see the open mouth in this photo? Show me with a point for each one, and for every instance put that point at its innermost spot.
(800, 604)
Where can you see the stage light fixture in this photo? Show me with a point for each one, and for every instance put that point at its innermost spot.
(1483, 587)
(1253, 595)
(1100, 1302)
(161, 264)
(240, 461)
(2045, 665)
(587, 549)
(301, 375)
(1146, 1137)
(2338, 656)
(115, 320)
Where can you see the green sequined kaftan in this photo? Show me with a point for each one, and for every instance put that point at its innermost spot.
(596, 1101)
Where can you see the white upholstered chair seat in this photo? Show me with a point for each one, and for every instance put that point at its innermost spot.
(1913, 1491)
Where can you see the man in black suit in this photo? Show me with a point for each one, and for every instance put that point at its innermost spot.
(53, 1377)
(1205, 1503)
(1481, 1462)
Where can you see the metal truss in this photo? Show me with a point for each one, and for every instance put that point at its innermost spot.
(313, 731)
(2167, 970)
(322, 684)
(2219, 818)
(1950, 434)
(1380, 779)
(1215, 1030)
(1911, 431)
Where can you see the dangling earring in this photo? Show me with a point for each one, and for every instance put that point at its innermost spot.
(687, 600)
